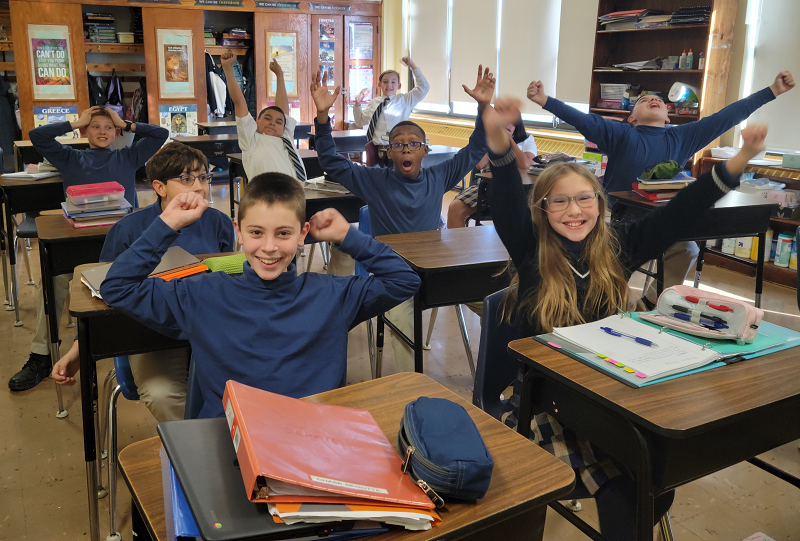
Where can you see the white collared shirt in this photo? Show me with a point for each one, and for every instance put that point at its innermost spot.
(265, 153)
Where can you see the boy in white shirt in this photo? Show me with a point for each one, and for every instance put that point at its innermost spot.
(383, 113)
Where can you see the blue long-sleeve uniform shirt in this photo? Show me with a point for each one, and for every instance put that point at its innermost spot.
(631, 149)
(95, 165)
(398, 204)
(211, 234)
(287, 336)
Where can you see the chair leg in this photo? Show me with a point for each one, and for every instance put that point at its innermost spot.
(27, 262)
(106, 389)
(7, 300)
(310, 257)
(15, 296)
(647, 279)
(574, 506)
(465, 337)
(113, 534)
(28, 245)
(325, 248)
(371, 348)
(666, 528)
(427, 344)
(380, 331)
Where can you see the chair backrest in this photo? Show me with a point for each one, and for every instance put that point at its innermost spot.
(122, 366)
(496, 369)
(364, 227)
(194, 398)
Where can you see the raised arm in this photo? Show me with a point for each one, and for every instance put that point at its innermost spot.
(421, 85)
(281, 98)
(390, 279)
(360, 118)
(239, 103)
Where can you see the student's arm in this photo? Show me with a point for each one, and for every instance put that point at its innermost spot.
(594, 127)
(239, 103)
(226, 235)
(165, 306)
(43, 138)
(391, 281)
(117, 241)
(153, 138)
(507, 199)
(421, 85)
(695, 135)
(281, 98)
(646, 238)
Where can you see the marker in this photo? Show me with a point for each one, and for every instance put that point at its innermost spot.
(720, 307)
(704, 322)
(715, 319)
(643, 341)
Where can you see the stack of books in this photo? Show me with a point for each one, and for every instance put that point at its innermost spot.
(136, 25)
(99, 27)
(208, 36)
(239, 33)
(625, 20)
(691, 15)
(662, 189)
(90, 205)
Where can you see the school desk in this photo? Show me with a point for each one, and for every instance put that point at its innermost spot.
(736, 214)
(103, 332)
(19, 196)
(524, 480)
(456, 266)
(26, 153)
(345, 140)
(219, 127)
(670, 433)
(212, 146)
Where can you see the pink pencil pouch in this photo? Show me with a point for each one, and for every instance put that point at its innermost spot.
(703, 313)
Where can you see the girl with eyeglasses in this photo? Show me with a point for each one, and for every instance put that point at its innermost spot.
(569, 266)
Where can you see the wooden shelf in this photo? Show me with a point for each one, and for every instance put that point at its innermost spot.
(623, 111)
(234, 36)
(114, 48)
(662, 28)
(219, 49)
(777, 275)
(6, 46)
(7, 66)
(637, 72)
(121, 68)
(786, 221)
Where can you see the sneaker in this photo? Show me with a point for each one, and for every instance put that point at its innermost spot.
(35, 370)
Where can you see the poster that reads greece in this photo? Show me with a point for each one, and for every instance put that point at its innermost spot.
(50, 62)
(55, 115)
(178, 119)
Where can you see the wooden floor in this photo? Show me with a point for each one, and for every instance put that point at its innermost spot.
(42, 473)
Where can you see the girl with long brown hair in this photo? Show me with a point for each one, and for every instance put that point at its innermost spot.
(570, 267)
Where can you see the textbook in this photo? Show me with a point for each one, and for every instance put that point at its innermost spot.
(654, 196)
(294, 451)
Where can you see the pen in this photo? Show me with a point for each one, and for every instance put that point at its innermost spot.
(715, 319)
(720, 307)
(704, 322)
(643, 341)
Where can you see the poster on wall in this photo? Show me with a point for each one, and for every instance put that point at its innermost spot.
(178, 119)
(283, 49)
(327, 29)
(326, 51)
(360, 41)
(175, 66)
(326, 70)
(55, 115)
(360, 77)
(50, 62)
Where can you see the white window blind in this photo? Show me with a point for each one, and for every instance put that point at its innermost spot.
(776, 50)
(474, 42)
(575, 51)
(428, 48)
(529, 48)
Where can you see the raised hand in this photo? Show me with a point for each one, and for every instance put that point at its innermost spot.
(329, 226)
(118, 122)
(275, 68)
(508, 108)
(323, 99)
(408, 62)
(753, 137)
(361, 96)
(86, 117)
(783, 83)
(184, 209)
(536, 93)
(494, 124)
(228, 58)
(484, 87)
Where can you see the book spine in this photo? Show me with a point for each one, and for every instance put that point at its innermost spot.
(241, 441)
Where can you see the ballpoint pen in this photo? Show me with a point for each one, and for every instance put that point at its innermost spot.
(643, 341)
(703, 321)
(713, 318)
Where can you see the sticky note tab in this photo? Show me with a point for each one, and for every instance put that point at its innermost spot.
(554, 345)
(640, 375)
(620, 364)
(601, 355)
(612, 361)
(629, 370)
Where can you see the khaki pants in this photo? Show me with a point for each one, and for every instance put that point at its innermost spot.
(40, 345)
(161, 378)
(679, 260)
(402, 316)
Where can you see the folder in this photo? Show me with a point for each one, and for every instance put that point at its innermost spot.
(293, 451)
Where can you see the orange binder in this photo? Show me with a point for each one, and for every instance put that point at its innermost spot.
(341, 452)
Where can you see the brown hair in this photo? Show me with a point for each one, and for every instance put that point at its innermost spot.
(100, 112)
(380, 79)
(172, 160)
(554, 303)
(271, 189)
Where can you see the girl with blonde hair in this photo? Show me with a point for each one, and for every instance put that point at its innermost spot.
(570, 267)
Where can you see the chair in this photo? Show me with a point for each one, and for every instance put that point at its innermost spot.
(490, 382)
(482, 212)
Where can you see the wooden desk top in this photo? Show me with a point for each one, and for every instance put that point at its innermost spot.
(525, 476)
(206, 138)
(55, 228)
(684, 406)
(318, 194)
(449, 249)
(217, 124)
(28, 144)
(732, 199)
(10, 182)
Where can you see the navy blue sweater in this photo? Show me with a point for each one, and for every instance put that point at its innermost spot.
(95, 165)
(212, 233)
(398, 204)
(631, 149)
(287, 336)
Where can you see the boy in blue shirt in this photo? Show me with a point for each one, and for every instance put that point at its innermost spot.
(405, 198)
(98, 163)
(645, 140)
(268, 328)
(161, 376)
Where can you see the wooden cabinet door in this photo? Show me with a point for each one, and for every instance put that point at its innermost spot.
(327, 48)
(362, 57)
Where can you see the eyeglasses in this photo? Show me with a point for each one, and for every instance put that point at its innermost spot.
(188, 180)
(558, 203)
(413, 146)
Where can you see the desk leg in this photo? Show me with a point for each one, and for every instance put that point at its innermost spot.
(659, 275)
(52, 322)
(418, 343)
(762, 238)
(699, 267)
(12, 261)
(89, 414)
(230, 188)
(644, 489)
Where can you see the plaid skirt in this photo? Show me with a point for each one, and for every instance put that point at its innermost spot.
(469, 196)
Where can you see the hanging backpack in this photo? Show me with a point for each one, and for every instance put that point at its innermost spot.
(114, 95)
(136, 105)
(97, 94)
(142, 115)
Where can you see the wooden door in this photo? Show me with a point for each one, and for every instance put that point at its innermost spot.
(327, 48)
(362, 54)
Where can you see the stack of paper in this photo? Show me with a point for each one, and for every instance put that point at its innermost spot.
(30, 176)
(92, 214)
(625, 20)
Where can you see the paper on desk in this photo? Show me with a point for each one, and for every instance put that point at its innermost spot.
(30, 176)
